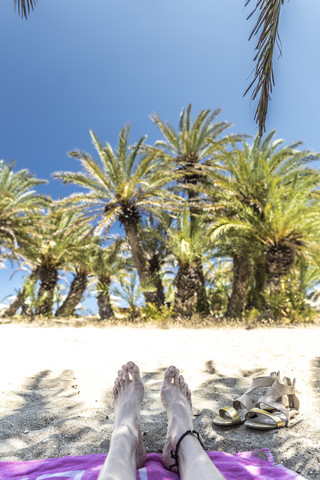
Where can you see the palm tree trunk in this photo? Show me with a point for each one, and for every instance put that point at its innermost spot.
(242, 269)
(27, 311)
(140, 259)
(48, 277)
(77, 289)
(155, 272)
(186, 294)
(202, 299)
(19, 301)
(279, 261)
(16, 304)
(103, 299)
(256, 297)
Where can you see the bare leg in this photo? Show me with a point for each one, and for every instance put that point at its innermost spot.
(193, 460)
(126, 452)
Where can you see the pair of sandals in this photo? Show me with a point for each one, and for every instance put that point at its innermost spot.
(273, 410)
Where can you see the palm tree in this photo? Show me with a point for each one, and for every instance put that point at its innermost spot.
(50, 245)
(128, 290)
(257, 194)
(187, 243)
(80, 260)
(291, 228)
(18, 202)
(125, 187)
(107, 264)
(289, 231)
(154, 236)
(22, 294)
(77, 288)
(268, 24)
(244, 254)
(191, 152)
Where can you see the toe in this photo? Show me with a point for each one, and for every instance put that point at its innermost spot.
(181, 381)
(125, 372)
(134, 370)
(189, 395)
(176, 378)
(117, 385)
(169, 374)
(121, 377)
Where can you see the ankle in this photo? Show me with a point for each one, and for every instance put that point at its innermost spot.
(126, 431)
(177, 429)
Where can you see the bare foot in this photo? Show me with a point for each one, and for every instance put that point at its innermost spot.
(176, 398)
(128, 393)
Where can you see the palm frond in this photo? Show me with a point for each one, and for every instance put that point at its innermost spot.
(25, 7)
(267, 24)
(167, 130)
(131, 160)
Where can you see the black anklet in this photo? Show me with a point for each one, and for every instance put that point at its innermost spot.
(175, 455)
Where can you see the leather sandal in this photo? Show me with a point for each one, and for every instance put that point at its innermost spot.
(281, 398)
(236, 414)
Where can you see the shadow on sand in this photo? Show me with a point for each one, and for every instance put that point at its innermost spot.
(50, 421)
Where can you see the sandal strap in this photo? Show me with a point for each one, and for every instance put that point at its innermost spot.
(277, 406)
(281, 397)
(230, 413)
(276, 419)
(175, 455)
(279, 391)
(260, 382)
(257, 382)
(243, 401)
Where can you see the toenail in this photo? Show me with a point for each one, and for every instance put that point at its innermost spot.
(130, 364)
(172, 368)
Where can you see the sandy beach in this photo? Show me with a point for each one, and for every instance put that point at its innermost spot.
(56, 382)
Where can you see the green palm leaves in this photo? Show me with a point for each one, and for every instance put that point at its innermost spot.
(126, 184)
(191, 150)
(56, 240)
(18, 202)
(268, 209)
(186, 239)
(266, 183)
(191, 198)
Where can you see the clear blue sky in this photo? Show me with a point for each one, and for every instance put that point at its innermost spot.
(77, 65)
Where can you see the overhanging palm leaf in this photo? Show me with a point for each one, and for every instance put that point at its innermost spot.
(267, 23)
(25, 6)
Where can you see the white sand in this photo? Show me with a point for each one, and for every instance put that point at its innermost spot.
(56, 382)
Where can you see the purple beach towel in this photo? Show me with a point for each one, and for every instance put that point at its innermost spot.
(258, 465)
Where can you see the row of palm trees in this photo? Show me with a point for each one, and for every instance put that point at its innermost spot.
(187, 203)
